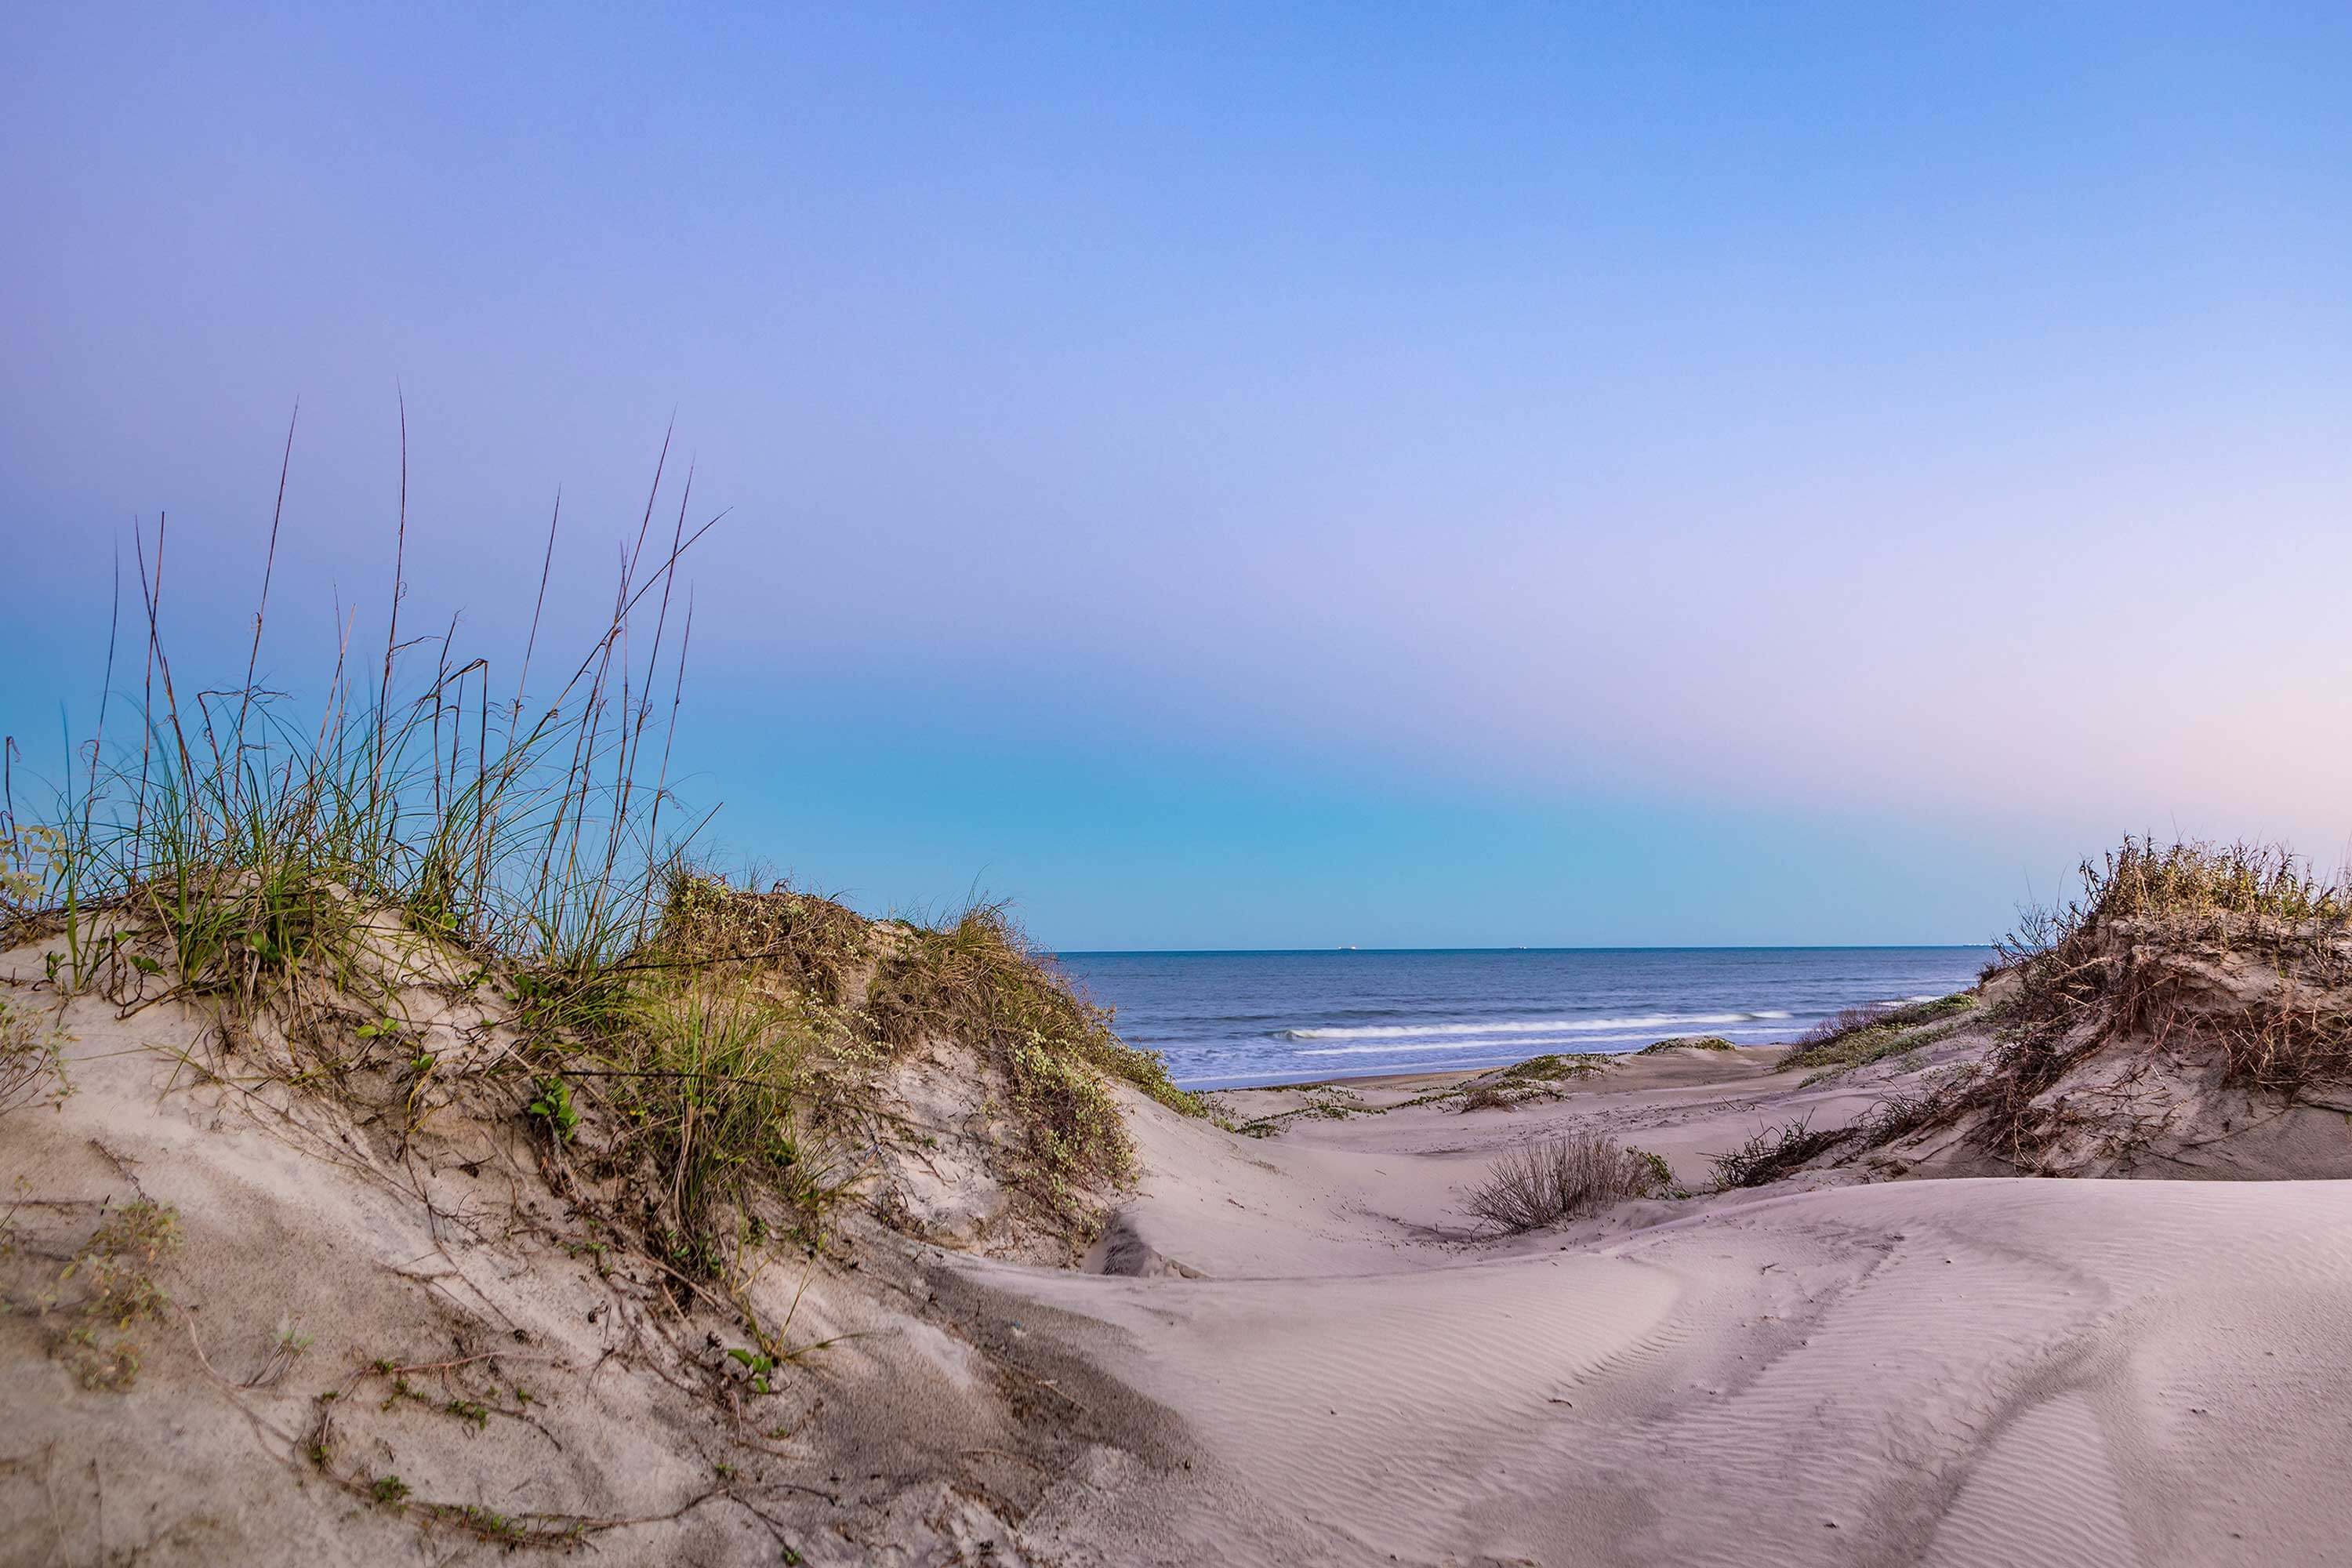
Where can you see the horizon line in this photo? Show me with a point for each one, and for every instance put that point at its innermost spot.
(1639, 947)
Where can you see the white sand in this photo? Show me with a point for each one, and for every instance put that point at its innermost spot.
(1312, 1359)
(1957, 1372)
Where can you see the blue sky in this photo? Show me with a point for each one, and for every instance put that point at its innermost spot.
(1263, 476)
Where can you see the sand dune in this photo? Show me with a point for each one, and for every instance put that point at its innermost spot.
(1290, 1349)
(1959, 1373)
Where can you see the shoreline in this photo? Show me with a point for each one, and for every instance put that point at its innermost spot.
(1432, 1076)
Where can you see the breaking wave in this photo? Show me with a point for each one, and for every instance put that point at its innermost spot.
(1525, 1026)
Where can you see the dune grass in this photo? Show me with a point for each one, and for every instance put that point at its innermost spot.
(709, 1085)
(2127, 958)
(247, 826)
(2244, 888)
(252, 850)
(977, 980)
(1559, 1179)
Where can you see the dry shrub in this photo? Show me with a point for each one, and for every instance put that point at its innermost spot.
(2244, 897)
(1900, 1115)
(1544, 1184)
(2192, 880)
(2130, 957)
(2283, 1047)
(1773, 1152)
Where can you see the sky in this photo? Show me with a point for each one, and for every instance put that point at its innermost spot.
(1263, 476)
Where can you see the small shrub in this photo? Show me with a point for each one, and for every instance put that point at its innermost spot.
(1689, 1043)
(1899, 1116)
(1559, 1179)
(1772, 1154)
(554, 1108)
(102, 1364)
(2283, 1047)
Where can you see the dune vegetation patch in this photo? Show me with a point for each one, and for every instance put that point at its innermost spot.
(1556, 1180)
(437, 932)
(1542, 1078)
(1773, 1152)
(2177, 971)
(2188, 1011)
(429, 881)
(977, 978)
(1688, 1043)
(1858, 1037)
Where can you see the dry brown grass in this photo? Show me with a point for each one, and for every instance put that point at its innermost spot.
(1774, 1152)
(2285, 1047)
(1561, 1179)
(2188, 881)
(2133, 960)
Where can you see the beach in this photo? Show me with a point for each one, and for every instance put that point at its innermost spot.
(2051, 1270)
(1089, 786)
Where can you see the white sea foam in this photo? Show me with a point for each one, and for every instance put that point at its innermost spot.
(1525, 1027)
(1514, 1043)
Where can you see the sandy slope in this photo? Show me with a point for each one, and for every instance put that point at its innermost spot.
(1956, 1372)
(467, 1332)
(1304, 1354)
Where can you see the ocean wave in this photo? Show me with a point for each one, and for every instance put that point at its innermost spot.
(1518, 1045)
(1523, 1027)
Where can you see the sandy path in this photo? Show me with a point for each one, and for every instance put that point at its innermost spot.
(1964, 1374)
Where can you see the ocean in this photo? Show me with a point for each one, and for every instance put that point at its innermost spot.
(1230, 1019)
